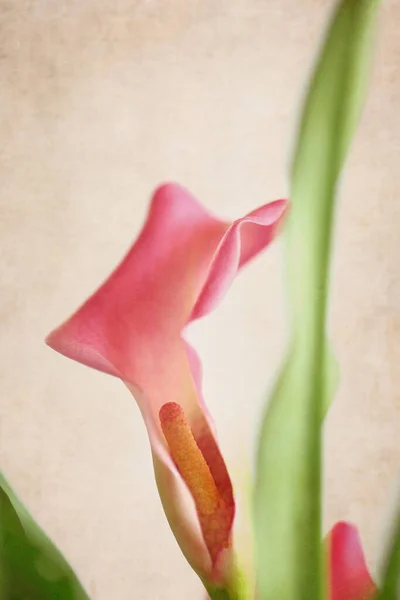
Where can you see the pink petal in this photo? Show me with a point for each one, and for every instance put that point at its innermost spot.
(178, 270)
(349, 576)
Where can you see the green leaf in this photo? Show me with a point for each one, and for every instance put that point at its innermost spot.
(288, 487)
(31, 567)
(390, 584)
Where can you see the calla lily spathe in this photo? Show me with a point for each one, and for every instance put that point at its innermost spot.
(349, 578)
(133, 328)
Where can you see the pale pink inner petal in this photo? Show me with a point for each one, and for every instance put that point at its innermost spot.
(241, 242)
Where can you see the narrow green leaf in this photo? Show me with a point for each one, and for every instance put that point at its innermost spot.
(390, 584)
(288, 487)
(31, 567)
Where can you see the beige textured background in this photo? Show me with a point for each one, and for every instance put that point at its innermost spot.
(100, 101)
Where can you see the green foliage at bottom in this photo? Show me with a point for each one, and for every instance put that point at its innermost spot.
(31, 567)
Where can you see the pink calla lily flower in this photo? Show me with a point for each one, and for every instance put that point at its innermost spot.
(133, 328)
(349, 578)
